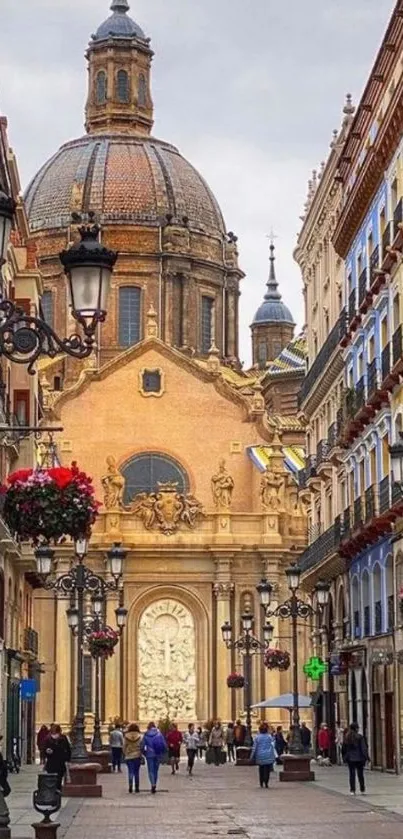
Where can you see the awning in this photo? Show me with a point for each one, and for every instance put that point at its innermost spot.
(294, 457)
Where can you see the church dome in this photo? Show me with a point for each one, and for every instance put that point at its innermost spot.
(272, 310)
(124, 180)
(118, 24)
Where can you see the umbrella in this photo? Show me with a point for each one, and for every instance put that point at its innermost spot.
(286, 700)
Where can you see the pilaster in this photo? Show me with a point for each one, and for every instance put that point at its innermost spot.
(223, 589)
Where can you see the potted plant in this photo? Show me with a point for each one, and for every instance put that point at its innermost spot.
(102, 644)
(235, 680)
(48, 505)
(275, 659)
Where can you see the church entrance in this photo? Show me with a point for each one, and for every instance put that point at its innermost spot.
(166, 662)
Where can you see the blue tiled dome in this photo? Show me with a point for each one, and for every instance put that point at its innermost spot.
(273, 310)
(119, 24)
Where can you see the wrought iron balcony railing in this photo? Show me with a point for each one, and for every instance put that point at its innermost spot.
(325, 353)
(371, 503)
(322, 453)
(314, 531)
(378, 617)
(373, 377)
(360, 394)
(385, 362)
(397, 345)
(387, 237)
(362, 286)
(352, 305)
(358, 513)
(384, 495)
(324, 546)
(391, 612)
(310, 466)
(374, 259)
(367, 621)
(333, 434)
(346, 523)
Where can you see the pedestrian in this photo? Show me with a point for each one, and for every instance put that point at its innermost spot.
(306, 738)
(216, 741)
(230, 741)
(42, 736)
(4, 785)
(58, 753)
(264, 754)
(174, 742)
(355, 754)
(116, 743)
(133, 757)
(153, 747)
(280, 744)
(202, 735)
(191, 740)
(239, 734)
(324, 740)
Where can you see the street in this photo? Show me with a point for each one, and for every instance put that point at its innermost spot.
(223, 801)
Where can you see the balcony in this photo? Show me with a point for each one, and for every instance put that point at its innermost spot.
(367, 621)
(322, 455)
(391, 612)
(31, 644)
(373, 379)
(378, 617)
(323, 547)
(325, 353)
(398, 216)
(371, 517)
(346, 523)
(353, 316)
(397, 360)
(384, 495)
(364, 293)
(371, 503)
(358, 513)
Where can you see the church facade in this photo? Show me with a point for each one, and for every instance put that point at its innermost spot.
(197, 477)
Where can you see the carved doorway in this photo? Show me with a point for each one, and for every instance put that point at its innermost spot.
(166, 662)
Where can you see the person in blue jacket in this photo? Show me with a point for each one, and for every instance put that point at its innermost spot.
(264, 754)
(153, 747)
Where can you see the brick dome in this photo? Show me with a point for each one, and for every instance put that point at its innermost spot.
(124, 179)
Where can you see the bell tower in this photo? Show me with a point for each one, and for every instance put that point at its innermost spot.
(119, 67)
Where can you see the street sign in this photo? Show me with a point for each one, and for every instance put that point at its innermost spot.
(315, 668)
(28, 689)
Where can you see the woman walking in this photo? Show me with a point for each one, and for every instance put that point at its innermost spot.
(202, 735)
(264, 754)
(355, 754)
(43, 735)
(230, 741)
(116, 744)
(58, 753)
(174, 742)
(191, 740)
(153, 746)
(133, 756)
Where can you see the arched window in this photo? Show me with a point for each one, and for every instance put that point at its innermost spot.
(366, 605)
(123, 86)
(145, 471)
(207, 309)
(142, 94)
(101, 88)
(129, 315)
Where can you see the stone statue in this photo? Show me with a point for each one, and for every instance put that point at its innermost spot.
(222, 486)
(271, 486)
(176, 236)
(114, 485)
(167, 508)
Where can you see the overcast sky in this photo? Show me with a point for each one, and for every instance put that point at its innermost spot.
(248, 91)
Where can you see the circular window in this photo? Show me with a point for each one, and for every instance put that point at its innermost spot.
(144, 472)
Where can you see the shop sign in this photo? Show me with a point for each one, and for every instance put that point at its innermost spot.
(28, 689)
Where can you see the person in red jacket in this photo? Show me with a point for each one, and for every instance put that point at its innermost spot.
(174, 741)
(324, 740)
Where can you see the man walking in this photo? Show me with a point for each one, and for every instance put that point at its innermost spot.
(191, 740)
(116, 743)
(306, 738)
(216, 741)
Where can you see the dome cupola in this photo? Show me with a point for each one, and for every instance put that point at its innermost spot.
(273, 324)
(119, 24)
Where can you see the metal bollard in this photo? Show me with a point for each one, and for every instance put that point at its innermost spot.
(47, 800)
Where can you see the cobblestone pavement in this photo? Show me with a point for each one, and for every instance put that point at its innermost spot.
(225, 801)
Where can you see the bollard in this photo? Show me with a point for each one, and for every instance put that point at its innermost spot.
(5, 832)
(47, 800)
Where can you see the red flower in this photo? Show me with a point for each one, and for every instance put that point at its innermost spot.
(61, 476)
(20, 475)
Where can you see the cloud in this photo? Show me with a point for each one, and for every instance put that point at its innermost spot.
(250, 94)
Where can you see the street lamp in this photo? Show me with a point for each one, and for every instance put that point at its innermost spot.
(88, 267)
(248, 645)
(76, 583)
(295, 608)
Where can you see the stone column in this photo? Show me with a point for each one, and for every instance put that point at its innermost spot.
(230, 321)
(223, 590)
(168, 308)
(66, 679)
(112, 667)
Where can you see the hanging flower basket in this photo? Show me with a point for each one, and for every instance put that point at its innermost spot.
(235, 680)
(48, 505)
(102, 644)
(277, 659)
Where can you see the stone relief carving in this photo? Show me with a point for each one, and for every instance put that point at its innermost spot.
(113, 484)
(167, 508)
(272, 488)
(176, 237)
(222, 487)
(166, 662)
(223, 590)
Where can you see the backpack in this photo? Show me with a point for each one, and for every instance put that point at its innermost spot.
(159, 744)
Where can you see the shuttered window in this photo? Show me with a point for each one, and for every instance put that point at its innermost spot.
(129, 315)
(206, 323)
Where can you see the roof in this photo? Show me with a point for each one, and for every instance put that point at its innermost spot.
(292, 359)
(119, 24)
(273, 310)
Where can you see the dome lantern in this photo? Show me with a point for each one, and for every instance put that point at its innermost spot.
(273, 324)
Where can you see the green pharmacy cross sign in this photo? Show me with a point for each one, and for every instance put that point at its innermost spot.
(315, 668)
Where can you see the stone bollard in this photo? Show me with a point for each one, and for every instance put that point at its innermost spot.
(103, 758)
(83, 781)
(5, 831)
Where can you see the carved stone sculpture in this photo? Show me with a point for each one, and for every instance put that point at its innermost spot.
(222, 487)
(223, 590)
(113, 485)
(271, 489)
(167, 508)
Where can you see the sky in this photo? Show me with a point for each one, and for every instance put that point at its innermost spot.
(249, 92)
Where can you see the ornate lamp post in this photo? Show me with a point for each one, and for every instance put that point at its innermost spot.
(76, 583)
(94, 623)
(293, 608)
(88, 267)
(248, 645)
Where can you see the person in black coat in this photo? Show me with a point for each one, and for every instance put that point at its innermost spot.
(280, 743)
(4, 785)
(57, 753)
(355, 754)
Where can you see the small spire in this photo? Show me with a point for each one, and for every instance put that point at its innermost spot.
(121, 6)
(349, 108)
(272, 292)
